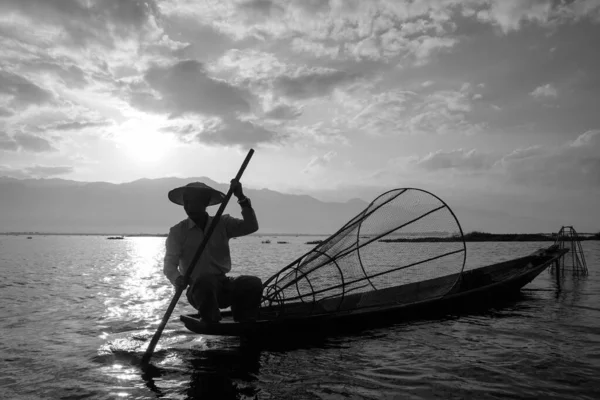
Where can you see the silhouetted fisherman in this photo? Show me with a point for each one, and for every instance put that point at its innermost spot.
(210, 289)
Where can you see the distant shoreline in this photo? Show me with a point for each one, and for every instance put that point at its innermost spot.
(468, 237)
(493, 237)
(140, 234)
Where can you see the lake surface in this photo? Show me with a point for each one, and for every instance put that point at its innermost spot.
(76, 314)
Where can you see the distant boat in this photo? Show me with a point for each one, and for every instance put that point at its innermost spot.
(266, 241)
(115, 237)
(28, 237)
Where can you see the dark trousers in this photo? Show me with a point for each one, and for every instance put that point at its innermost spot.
(209, 293)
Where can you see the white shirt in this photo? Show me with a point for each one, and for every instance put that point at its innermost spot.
(184, 240)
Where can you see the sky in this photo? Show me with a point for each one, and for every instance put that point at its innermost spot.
(492, 105)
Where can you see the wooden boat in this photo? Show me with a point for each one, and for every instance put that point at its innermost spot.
(492, 282)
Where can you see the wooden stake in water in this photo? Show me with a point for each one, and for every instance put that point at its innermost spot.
(188, 273)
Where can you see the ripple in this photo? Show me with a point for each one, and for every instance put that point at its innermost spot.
(69, 333)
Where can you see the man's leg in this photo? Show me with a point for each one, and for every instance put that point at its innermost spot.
(245, 298)
(203, 294)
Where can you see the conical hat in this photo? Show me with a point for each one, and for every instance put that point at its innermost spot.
(216, 197)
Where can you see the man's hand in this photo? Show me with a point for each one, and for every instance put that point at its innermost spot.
(236, 189)
(180, 282)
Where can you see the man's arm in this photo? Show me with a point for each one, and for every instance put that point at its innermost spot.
(172, 254)
(240, 227)
(236, 227)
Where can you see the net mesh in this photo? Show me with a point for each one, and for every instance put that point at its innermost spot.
(405, 237)
(574, 260)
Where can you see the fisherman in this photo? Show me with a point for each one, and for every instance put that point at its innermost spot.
(210, 289)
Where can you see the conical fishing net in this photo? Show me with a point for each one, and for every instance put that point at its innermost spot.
(406, 246)
(574, 260)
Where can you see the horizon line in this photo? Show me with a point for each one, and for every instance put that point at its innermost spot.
(155, 234)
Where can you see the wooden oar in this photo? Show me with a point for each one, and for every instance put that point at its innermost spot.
(190, 269)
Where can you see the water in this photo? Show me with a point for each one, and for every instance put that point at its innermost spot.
(77, 313)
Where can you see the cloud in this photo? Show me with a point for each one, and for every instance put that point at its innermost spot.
(407, 112)
(544, 91)
(580, 9)
(80, 23)
(510, 14)
(344, 30)
(5, 112)
(35, 171)
(250, 65)
(275, 81)
(383, 113)
(283, 112)
(373, 29)
(236, 132)
(200, 41)
(21, 92)
(224, 131)
(425, 46)
(316, 48)
(314, 82)
(70, 74)
(319, 133)
(185, 87)
(33, 143)
(589, 139)
(260, 8)
(386, 46)
(77, 125)
(7, 142)
(11, 172)
(26, 142)
(459, 159)
(573, 167)
(576, 164)
(523, 153)
(319, 161)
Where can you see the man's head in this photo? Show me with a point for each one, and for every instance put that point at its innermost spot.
(195, 202)
(195, 197)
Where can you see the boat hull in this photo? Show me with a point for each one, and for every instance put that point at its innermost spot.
(475, 288)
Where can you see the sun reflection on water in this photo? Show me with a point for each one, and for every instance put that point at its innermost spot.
(143, 290)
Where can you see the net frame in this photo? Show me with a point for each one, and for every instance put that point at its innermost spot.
(274, 293)
(568, 238)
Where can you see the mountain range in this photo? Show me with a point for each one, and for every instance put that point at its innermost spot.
(142, 207)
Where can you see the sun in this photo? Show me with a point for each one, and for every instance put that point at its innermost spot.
(146, 148)
(142, 143)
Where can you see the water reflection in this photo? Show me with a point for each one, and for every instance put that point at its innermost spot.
(214, 373)
(224, 374)
(568, 284)
(143, 291)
